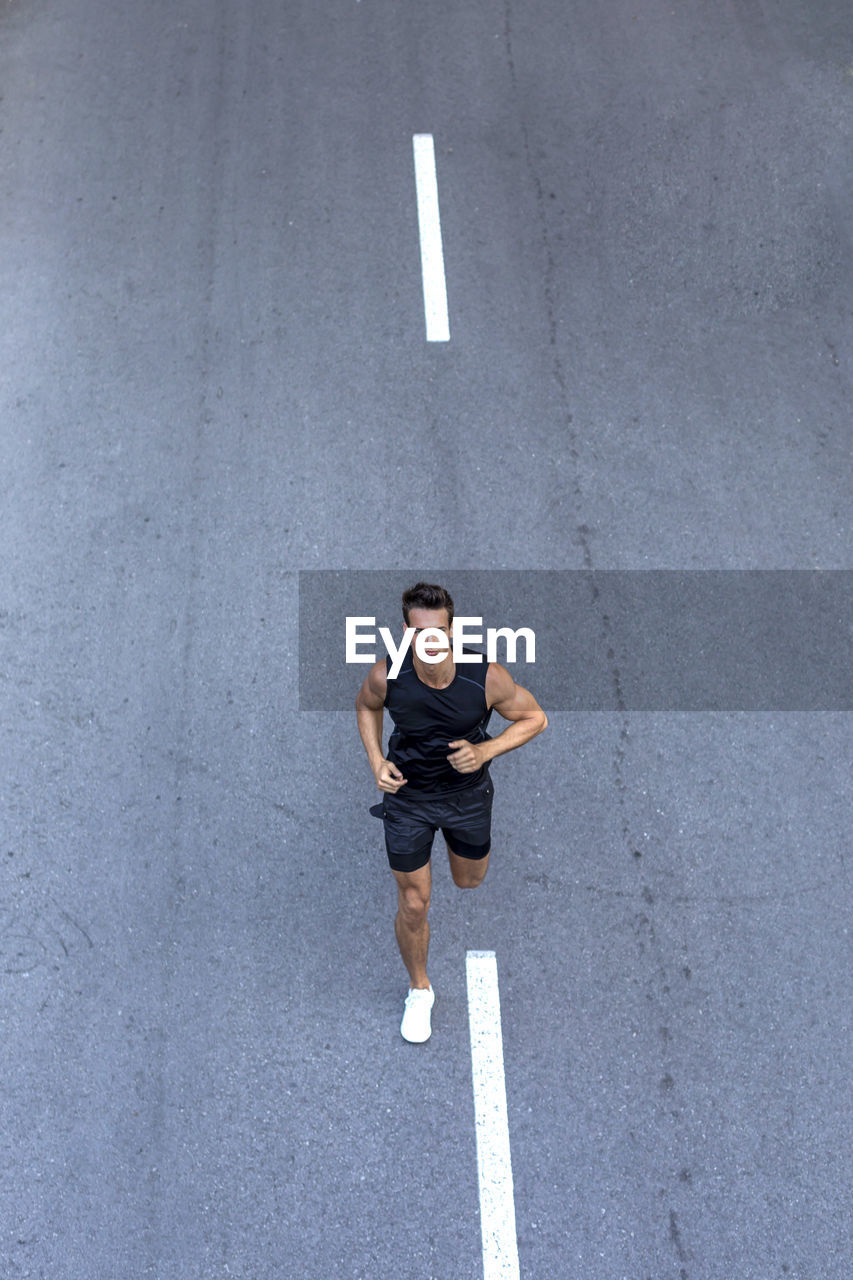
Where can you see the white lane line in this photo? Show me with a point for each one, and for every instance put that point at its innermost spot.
(432, 255)
(497, 1206)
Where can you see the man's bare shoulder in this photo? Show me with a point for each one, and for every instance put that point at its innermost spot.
(375, 687)
(499, 684)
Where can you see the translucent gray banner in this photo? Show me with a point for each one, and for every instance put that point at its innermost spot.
(613, 640)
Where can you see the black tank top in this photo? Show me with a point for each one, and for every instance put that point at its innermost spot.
(427, 719)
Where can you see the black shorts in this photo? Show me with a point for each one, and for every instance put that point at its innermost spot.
(464, 818)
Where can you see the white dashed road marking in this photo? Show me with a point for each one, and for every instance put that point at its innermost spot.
(432, 255)
(497, 1207)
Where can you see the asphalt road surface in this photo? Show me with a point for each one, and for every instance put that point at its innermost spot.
(214, 373)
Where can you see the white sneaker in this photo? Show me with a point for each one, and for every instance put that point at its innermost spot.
(415, 1026)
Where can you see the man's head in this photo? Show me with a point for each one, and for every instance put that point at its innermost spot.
(427, 596)
(429, 608)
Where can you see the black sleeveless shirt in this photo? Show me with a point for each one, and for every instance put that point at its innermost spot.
(427, 719)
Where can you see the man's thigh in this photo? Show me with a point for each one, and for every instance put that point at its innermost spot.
(415, 886)
(467, 827)
(467, 872)
(409, 834)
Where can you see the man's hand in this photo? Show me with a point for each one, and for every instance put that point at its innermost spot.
(389, 778)
(468, 757)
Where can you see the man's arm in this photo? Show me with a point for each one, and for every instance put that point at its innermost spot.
(369, 707)
(515, 704)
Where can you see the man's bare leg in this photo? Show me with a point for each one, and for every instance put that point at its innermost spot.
(412, 923)
(467, 872)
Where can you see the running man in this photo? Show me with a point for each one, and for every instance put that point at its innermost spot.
(436, 773)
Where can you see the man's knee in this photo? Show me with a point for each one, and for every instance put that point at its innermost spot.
(468, 873)
(465, 880)
(414, 905)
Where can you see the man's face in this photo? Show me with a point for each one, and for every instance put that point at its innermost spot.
(430, 620)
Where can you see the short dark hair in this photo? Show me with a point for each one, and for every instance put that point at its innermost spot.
(426, 595)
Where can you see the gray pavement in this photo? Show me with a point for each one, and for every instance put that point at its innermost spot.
(213, 374)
